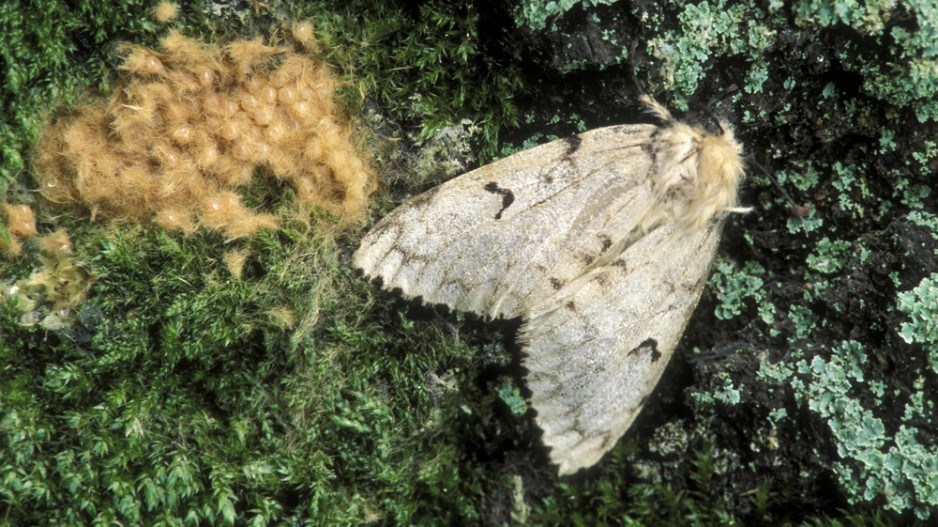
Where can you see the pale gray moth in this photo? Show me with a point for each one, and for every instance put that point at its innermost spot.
(601, 242)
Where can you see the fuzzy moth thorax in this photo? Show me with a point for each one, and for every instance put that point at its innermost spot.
(695, 173)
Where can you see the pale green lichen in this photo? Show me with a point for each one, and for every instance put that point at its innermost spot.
(927, 220)
(724, 392)
(705, 32)
(886, 141)
(924, 157)
(813, 222)
(900, 468)
(868, 17)
(828, 256)
(733, 286)
(535, 14)
(921, 306)
(777, 415)
(911, 195)
(906, 77)
(804, 320)
(848, 179)
(511, 396)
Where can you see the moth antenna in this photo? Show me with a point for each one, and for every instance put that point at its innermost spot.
(797, 210)
(730, 90)
(713, 102)
(655, 108)
(637, 86)
(652, 106)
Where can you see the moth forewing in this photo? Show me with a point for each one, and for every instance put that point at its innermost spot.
(498, 239)
(601, 242)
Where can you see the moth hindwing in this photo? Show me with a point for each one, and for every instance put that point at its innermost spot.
(602, 243)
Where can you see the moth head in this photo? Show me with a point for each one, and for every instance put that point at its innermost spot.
(696, 172)
(720, 166)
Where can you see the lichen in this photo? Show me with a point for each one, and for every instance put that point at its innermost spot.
(706, 32)
(716, 30)
(828, 256)
(535, 14)
(907, 77)
(899, 469)
(733, 286)
(921, 306)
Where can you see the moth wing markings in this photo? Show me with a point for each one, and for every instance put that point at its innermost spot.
(466, 264)
(449, 248)
(534, 231)
(590, 369)
(421, 225)
(607, 209)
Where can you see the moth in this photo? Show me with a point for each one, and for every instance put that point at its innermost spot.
(601, 242)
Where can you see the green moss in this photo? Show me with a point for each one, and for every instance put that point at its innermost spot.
(424, 66)
(53, 54)
(180, 393)
(601, 503)
(176, 394)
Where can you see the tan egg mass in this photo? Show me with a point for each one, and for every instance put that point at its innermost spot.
(20, 223)
(188, 125)
(166, 12)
